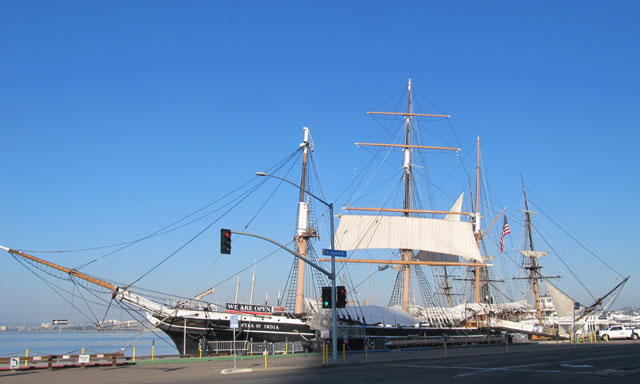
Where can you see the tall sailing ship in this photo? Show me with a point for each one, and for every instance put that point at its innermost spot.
(556, 313)
(439, 239)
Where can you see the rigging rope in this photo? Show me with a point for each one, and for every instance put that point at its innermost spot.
(194, 237)
(19, 260)
(132, 311)
(290, 158)
(576, 240)
(162, 231)
(239, 200)
(251, 265)
(563, 263)
(97, 322)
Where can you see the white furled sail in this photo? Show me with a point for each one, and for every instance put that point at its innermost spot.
(563, 303)
(536, 254)
(457, 207)
(416, 233)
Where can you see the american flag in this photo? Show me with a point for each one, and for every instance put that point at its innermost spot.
(505, 231)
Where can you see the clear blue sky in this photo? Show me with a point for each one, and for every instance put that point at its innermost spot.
(117, 118)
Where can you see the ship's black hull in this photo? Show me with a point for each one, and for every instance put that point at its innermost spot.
(281, 329)
(221, 331)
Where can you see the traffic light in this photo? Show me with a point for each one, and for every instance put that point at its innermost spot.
(341, 296)
(326, 297)
(225, 241)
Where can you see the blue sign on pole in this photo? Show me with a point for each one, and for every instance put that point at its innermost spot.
(334, 252)
(233, 323)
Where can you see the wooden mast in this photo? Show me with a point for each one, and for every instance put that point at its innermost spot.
(407, 253)
(477, 231)
(71, 272)
(446, 287)
(409, 146)
(302, 233)
(533, 267)
(407, 210)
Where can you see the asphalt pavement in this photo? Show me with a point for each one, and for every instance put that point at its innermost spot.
(540, 363)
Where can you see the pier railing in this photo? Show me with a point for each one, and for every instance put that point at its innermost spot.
(57, 361)
(247, 348)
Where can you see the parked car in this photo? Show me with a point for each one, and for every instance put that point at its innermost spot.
(620, 332)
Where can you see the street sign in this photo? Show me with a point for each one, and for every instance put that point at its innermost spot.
(234, 322)
(14, 363)
(334, 252)
(60, 322)
(83, 359)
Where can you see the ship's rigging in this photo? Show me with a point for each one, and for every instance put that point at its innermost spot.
(379, 230)
(408, 225)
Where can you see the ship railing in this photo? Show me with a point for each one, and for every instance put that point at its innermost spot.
(248, 348)
(280, 347)
(227, 347)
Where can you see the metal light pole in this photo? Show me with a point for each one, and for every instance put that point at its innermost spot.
(334, 327)
(573, 327)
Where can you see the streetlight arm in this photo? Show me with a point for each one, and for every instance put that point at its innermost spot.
(332, 276)
(295, 185)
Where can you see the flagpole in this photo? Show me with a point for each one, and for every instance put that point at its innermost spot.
(505, 231)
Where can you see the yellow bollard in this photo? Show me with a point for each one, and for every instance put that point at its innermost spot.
(83, 350)
(153, 350)
(201, 353)
(134, 354)
(366, 353)
(344, 353)
(26, 354)
(251, 353)
(286, 348)
(265, 353)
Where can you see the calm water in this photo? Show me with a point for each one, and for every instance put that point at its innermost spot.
(46, 343)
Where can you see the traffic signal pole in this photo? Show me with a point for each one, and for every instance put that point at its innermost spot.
(332, 275)
(334, 326)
